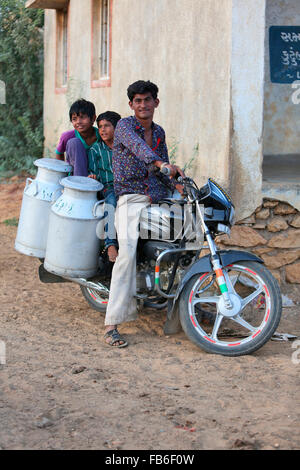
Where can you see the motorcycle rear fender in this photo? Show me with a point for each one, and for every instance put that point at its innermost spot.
(204, 266)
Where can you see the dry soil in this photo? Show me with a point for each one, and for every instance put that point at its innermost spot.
(63, 388)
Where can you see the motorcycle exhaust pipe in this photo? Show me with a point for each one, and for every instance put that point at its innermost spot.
(50, 278)
(90, 284)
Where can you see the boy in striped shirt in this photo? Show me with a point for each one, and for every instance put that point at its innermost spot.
(100, 168)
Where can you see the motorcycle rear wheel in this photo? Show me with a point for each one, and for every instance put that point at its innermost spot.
(256, 297)
(97, 300)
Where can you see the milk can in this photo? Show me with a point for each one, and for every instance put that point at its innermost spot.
(73, 246)
(35, 210)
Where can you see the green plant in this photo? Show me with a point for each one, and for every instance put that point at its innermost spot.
(172, 150)
(190, 163)
(21, 69)
(11, 222)
(173, 154)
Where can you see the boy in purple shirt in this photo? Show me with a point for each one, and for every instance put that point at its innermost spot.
(78, 142)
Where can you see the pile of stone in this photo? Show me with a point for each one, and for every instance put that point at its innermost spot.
(273, 233)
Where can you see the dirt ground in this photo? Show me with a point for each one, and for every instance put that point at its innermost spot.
(62, 388)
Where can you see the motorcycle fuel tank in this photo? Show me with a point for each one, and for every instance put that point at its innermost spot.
(169, 222)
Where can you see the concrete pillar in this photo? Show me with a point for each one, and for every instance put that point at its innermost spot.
(247, 97)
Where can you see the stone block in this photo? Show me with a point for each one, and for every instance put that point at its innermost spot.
(263, 214)
(248, 220)
(277, 224)
(284, 209)
(295, 222)
(288, 239)
(293, 273)
(281, 258)
(262, 250)
(260, 225)
(243, 236)
(270, 204)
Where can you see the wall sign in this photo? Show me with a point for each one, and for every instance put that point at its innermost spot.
(284, 44)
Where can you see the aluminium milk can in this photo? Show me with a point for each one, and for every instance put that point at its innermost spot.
(73, 246)
(35, 210)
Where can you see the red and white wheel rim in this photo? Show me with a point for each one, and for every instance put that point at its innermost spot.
(253, 305)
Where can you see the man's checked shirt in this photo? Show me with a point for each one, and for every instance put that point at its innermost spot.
(132, 159)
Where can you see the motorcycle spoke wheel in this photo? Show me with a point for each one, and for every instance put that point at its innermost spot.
(255, 315)
(98, 300)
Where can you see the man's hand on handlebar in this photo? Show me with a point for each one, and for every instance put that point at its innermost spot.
(180, 188)
(171, 170)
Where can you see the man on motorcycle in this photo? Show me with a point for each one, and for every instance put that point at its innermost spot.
(139, 151)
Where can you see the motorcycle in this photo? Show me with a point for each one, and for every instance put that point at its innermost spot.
(227, 302)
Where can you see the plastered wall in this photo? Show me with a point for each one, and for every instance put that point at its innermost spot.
(206, 56)
(181, 45)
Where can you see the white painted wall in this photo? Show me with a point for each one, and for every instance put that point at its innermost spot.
(206, 56)
(247, 82)
(184, 46)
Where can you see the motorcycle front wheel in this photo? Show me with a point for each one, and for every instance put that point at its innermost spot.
(247, 326)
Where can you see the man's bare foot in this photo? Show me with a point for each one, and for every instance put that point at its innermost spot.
(112, 253)
(113, 338)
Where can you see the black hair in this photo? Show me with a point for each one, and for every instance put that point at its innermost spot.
(84, 107)
(110, 116)
(141, 87)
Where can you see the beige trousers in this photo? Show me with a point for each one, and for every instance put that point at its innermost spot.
(122, 305)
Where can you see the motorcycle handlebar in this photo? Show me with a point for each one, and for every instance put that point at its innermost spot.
(167, 171)
(188, 183)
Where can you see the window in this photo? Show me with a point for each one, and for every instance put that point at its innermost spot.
(61, 78)
(101, 43)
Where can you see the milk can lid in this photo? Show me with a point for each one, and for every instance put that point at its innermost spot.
(81, 183)
(53, 164)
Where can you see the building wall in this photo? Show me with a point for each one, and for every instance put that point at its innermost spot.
(198, 52)
(182, 45)
(247, 81)
(281, 115)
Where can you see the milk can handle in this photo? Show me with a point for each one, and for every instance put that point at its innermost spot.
(54, 197)
(27, 184)
(96, 205)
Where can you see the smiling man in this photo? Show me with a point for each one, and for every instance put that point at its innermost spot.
(139, 151)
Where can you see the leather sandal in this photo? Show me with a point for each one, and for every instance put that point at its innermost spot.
(114, 337)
